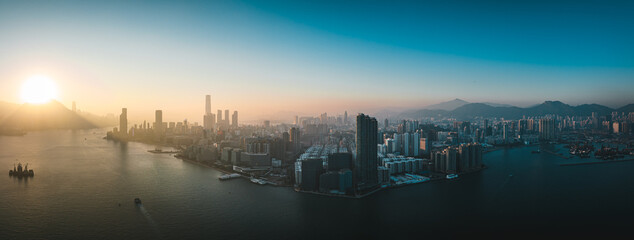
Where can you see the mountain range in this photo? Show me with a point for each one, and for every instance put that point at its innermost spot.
(51, 115)
(466, 110)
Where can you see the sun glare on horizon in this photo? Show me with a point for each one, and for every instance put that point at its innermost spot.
(38, 89)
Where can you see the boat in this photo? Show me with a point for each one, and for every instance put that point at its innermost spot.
(229, 176)
(20, 172)
(137, 200)
(158, 150)
(258, 181)
(452, 176)
(536, 151)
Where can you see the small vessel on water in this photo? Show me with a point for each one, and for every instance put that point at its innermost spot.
(452, 176)
(536, 151)
(229, 176)
(258, 181)
(137, 200)
(158, 150)
(20, 172)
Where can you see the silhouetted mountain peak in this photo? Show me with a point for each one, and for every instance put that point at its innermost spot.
(448, 106)
(554, 103)
(51, 115)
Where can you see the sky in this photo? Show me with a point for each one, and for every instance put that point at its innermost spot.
(275, 59)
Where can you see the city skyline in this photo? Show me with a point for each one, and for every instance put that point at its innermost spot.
(254, 119)
(378, 56)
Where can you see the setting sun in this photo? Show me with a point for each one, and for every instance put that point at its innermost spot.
(38, 89)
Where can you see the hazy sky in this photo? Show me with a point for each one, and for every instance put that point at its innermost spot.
(261, 57)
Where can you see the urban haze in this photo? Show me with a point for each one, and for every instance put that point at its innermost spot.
(316, 120)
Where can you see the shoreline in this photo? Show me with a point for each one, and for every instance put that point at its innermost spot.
(225, 171)
(595, 162)
(391, 186)
(184, 159)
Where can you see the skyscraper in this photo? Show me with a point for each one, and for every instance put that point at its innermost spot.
(234, 119)
(158, 120)
(226, 117)
(398, 142)
(365, 165)
(311, 169)
(406, 144)
(416, 142)
(345, 118)
(546, 129)
(323, 118)
(425, 146)
(209, 121)
(295, 139)
(207, 104)
(123, 122)
(219, 115)
(386, 123)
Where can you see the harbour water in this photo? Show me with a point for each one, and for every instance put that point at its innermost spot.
(80, 180)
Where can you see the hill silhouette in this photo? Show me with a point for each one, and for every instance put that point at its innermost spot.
(51, 115)
(471, 110)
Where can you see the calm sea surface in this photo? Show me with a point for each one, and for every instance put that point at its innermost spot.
(80, 180)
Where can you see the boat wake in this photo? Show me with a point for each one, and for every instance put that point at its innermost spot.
(150, 221)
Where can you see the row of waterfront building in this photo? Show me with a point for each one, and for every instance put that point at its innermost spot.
(319, 167)
(331, 168)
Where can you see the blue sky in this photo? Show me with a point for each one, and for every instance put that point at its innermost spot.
(320, 56)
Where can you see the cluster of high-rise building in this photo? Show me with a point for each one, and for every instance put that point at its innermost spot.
(458, 159)
(333, 155)
(178, 133)
(376, 156)
(409, 139)
(406, 144)
(398, 164)
(350, 167)
(540, 128)
(213, 122)
(325, 168)
(546, 129)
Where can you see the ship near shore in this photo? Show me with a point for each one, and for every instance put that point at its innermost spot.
(21, 172)
(229, 176)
